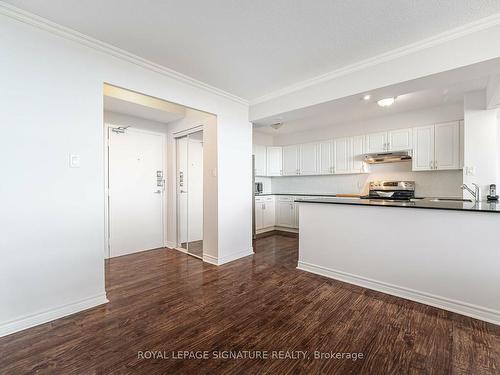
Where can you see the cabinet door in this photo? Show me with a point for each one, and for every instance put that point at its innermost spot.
(259, 224)
(274, 161)
(447, 145)
(268, 217)
(400, 139)
(423, 148)
(326, 157)
(259, 152)
(342, 155)
(376, 142)
(358, 166)
(309, 159)
(286, 214)
(290, 160)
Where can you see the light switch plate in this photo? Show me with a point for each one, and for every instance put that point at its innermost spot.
(74, 161)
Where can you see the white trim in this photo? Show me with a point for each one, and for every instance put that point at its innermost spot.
(73, 35)
(228, 258)
(170, 244)
(464, 308)
(423, 44)
(210, 259)
(32, 320)
(194, 129)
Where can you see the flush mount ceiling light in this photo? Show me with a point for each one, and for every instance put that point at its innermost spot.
(277, 125)
(366, 97)
(387, 102)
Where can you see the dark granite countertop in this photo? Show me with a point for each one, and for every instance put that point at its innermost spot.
(483, 206)
(299, 194)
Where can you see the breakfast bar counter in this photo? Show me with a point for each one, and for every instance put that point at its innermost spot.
(444, 254)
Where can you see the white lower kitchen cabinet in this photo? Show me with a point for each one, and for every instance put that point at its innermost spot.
(285, 212)
(265, 209)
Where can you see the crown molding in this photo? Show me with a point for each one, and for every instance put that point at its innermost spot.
(73, 35)
(470, 28)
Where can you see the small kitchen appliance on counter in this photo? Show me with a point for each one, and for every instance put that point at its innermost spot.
(492, 197)
(259, 188)
(391, 190)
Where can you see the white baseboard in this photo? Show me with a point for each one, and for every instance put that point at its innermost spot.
(228, 258)
(210, 259)
(32, 320)
(170, 244)
(460, 307)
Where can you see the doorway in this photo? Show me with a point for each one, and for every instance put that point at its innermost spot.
(189, 149)
(136, 190)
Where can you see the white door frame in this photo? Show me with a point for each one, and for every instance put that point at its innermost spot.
(107, 126)
(176, 136)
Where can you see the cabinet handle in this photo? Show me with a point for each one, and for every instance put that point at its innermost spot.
(263, 206)
(430, 165)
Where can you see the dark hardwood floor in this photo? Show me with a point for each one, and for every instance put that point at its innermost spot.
(167, 301)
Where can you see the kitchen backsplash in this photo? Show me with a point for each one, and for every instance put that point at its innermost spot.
(432, 183)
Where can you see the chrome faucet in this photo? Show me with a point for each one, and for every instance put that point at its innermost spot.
(474, 192)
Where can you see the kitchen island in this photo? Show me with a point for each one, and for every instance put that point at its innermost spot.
(441, 253)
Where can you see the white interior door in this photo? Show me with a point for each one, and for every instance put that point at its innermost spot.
(135, 169)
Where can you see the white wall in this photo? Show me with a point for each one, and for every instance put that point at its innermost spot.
(435, 183)
(52, 241)
(480, 143)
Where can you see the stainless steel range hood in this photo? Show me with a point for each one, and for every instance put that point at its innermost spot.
(387, 157)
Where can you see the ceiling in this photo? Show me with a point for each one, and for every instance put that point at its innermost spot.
(252, 48)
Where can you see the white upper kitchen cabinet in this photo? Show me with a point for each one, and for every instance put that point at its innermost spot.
(376, 142)
(309, 159)
(260, 153)
(399, 140)
(423, 148)
(358, 151)
(342, 155)
(447, 145)
(274, 161)
(326, 157)
(291, 160)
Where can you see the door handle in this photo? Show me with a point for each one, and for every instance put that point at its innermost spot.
(183, 191)
(157, 192)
